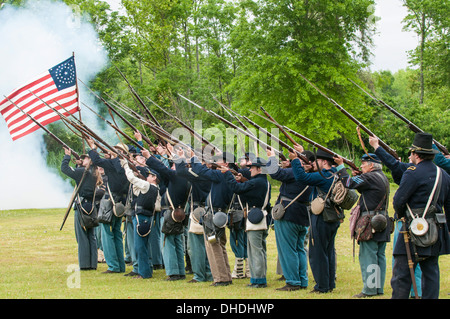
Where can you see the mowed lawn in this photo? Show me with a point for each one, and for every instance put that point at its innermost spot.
(37, 262)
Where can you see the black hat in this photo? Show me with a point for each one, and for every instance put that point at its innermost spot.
(324, 155)
(145, 171)
(309, 155)
(248, 156)
(259, 162)
(132, 149)
(423, 144)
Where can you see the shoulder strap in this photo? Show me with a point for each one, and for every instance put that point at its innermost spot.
(438, 181)
(434, 193)
(301, 193)
(266, 200)
(169, 199)
(110, 195)
(386, 196)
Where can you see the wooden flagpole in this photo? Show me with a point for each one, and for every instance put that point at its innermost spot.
(78, 97)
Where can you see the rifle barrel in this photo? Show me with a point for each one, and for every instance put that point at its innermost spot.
(191, 131)
(413, 127)
(75, 154)
(136, 95)
(251, 136)
(315, 144)
(276, 139)
(351, 117)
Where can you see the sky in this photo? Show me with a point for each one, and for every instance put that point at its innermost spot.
(391, 42)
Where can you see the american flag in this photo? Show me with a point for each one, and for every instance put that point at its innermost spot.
(57, 84)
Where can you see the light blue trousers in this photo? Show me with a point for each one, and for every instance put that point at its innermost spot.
(199, 259)
(130, 243)
(112, 242)
(238, 243)
(143, 254)
(372, 261)
(290, 240)
(173, 254)
(156, 239)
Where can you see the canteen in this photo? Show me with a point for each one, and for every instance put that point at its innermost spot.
(178, 215)
(419, 226)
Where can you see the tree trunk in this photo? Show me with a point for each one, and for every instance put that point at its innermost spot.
(422, 49)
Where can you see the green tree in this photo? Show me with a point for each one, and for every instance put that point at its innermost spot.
(278, 41)
(430, 20)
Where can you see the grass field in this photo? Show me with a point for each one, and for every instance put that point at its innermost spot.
(37, 261)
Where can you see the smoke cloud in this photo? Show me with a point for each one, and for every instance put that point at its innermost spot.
(34, 38)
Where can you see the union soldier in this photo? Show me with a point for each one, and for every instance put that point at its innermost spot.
(195, 243)
(292, 227)
(112, 240)
(146, 192)
(85, 235)
(397, 169)
(218, 200)
(173, 204)
(411, 198)
(156, 241)
(322, 257)
(256, 192)
(373, 186)
(238, 235)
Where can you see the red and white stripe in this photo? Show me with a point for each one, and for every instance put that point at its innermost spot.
(44, 87)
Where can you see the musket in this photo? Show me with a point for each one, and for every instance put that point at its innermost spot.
(46, 130)
(85, 131)
(263, 144)
(315, 144)
(351, 117)
(158, 131)
(145, 138)
(279, 126)
(116, 128)
(88, 133)
(64, 118)
(276, 139)
(82, 128)
(72, 199)
(191, 131)
(236, 117)
(413, 127)
(133, 91)
(122, 156)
